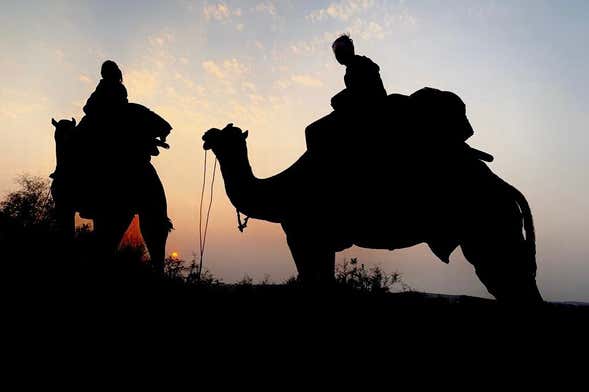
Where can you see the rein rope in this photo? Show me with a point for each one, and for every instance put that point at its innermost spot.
(203, 234)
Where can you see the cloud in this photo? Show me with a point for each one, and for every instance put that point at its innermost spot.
(367, 30)
(228, 69)
(219, 11)
(266, 7)
(85, 79)
(320, 43)
(21, 105)
(161, 39)
(371, 17)
(282, 84)
(234, 67)
(213, 69)
(249, 86)
(141, 84)
(306, 80)
(343, 10)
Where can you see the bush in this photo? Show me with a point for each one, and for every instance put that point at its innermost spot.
(356, 276)
(31, 205)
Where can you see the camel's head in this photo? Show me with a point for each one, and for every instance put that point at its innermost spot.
(63, 129)
(227, 140)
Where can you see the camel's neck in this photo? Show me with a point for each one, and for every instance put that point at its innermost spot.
(257, 198)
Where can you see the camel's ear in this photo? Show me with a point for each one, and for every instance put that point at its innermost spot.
(53, 122)
(74, 121)
(244, 134)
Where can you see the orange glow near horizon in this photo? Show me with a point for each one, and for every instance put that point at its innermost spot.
(132, 236)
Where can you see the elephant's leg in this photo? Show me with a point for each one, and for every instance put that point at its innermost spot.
(505, 268)
(314, 260)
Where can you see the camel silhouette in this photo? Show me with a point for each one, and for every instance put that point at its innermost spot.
(110, 181)
(381, 201)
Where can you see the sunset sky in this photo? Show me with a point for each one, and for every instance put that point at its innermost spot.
(522, 69)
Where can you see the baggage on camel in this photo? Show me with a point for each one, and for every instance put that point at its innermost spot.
(433, 119)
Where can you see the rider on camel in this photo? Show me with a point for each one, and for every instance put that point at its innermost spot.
(364, 86)
(110, 91)
(360, 102)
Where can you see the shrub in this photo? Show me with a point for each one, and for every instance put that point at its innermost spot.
(356, 276)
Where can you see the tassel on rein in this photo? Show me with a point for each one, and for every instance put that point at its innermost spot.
(241, 226)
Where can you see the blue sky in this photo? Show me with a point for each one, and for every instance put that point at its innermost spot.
(267, 66)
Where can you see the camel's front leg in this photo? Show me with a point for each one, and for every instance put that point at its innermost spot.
(315, 261)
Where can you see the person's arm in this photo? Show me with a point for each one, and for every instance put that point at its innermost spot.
(123, 94)
(90, 103)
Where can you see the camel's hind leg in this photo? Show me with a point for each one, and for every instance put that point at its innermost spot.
(505, 267)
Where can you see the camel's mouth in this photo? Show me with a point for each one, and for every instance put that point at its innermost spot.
(209, 137)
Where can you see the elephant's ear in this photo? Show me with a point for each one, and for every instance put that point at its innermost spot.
(244, 134)
(53, 122)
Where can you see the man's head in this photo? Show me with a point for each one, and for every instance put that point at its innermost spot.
(343, 48)
(110, 71)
